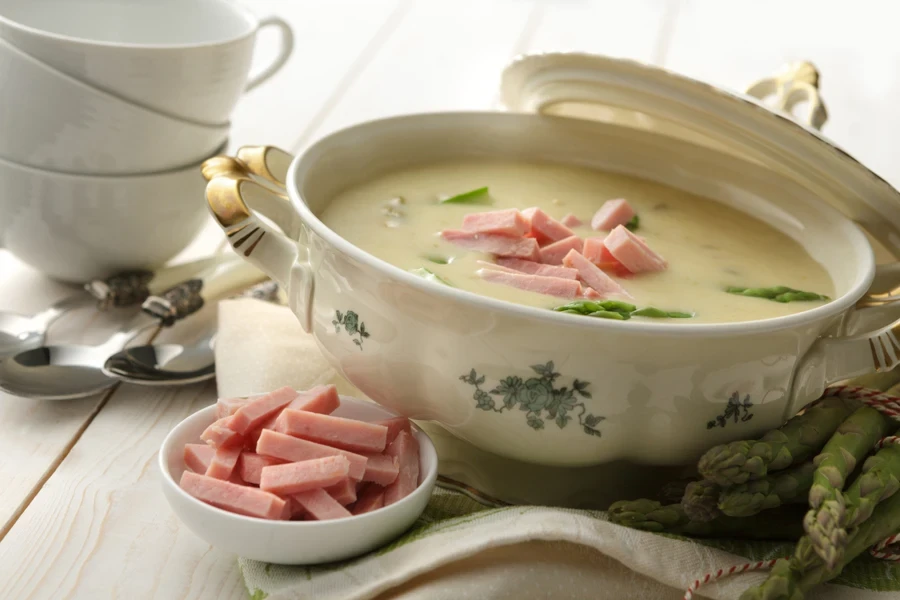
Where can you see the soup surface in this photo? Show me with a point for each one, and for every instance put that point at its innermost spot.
(708, 246)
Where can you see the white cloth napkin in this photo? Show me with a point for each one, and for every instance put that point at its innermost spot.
(466, 550)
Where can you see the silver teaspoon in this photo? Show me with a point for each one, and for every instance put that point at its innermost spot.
(21, 332)
(69, 371)
(177, 364)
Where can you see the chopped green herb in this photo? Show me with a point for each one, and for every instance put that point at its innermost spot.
(633, 223)
(478, 196)
(429, 275)
(657, 313)
(615, 309)
(437, 259)
(778, 293)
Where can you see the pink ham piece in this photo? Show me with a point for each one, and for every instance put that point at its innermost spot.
(381, 468)
(291, 478)
(223, 462)
(533, 268)
(225, 407)
(198, 456)
(611, 214)
(320, 506)
(220, 435)
(406, 450)
(240, 499)
(256, 412)
(570, 220)
(347, 434)
(501, 245)
(547, 229)
(633, 252)
(251, 465)
(344, 492)
(595, 251)
(285, 447)
(551, 286)
(321, 399)
(502, 222)
(553, 254)
(593, 276)
(394, 426)
(371, 498)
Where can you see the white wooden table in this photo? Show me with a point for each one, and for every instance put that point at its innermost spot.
(81, 515)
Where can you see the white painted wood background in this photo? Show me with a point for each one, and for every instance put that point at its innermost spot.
(81, 515)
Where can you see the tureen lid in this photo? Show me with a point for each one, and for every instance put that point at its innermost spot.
(632, 94)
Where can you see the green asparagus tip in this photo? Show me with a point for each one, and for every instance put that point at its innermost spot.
(429, 275)
(778, 293)
(476, 196)
(633, 223)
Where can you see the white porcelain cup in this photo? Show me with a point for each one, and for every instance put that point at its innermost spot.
(49, 120)
(76, 228)
(189, 59)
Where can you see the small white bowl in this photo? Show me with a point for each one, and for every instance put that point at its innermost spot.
(293, 542)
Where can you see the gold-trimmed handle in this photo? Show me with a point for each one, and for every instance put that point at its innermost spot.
(235, 193)
(796, 82)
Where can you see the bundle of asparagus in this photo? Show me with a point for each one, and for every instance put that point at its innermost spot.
(758, 488)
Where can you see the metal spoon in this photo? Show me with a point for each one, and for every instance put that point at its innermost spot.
(176, 364)
(20, 332)
(69, 371)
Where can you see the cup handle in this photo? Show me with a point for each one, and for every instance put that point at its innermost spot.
(284, 53)
(794, 83)
(236, 198)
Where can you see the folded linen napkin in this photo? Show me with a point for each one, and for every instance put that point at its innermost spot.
(468, 545)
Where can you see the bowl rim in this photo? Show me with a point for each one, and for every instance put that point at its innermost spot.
(249, 18)
(138, 110)
(427, 481)
(301, 162)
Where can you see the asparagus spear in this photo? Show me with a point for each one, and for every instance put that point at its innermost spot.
(792, 443)
(790, 579)
(783, 487)
(701, 499)
(650, 515)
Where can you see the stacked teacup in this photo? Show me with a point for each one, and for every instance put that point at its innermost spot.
(107, 110)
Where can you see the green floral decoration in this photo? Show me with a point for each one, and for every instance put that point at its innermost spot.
(352, 325)
(736, 410)
(538, 397)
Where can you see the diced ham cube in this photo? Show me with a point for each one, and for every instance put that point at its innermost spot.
(240, 499)
(225, 407)
(371, 498)
(592, 294)
(595, 251)
(547, 229)
(220, 435)
(223, 462)
(501, 245)
(291, 478)
(198, 456)
(552, 286)
(554, 253)
(406, 450)
(593, 276)
(533, 268)
(611, 214)
(256, 412)
(347, 434)
(319, 505)
(285, 447)
(394, 426)
(381, 468)
(321, 399)
(344, 492)
(251, 465)
(571, 220)
(633, 252)
(502, 222)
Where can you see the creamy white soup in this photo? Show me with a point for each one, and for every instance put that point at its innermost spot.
(710, 248)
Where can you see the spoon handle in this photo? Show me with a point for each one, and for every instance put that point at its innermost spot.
(189, 296)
